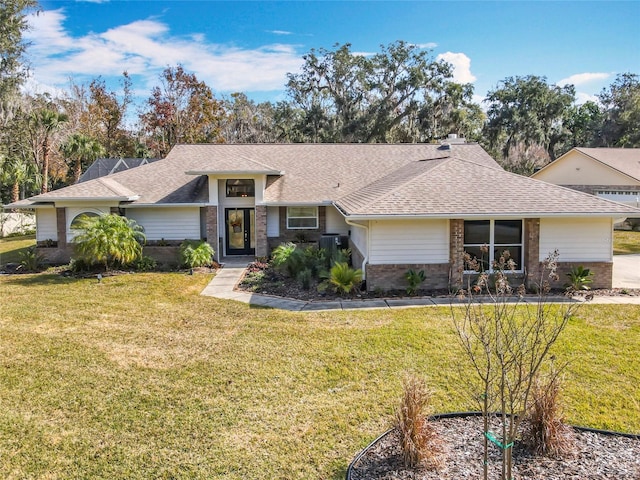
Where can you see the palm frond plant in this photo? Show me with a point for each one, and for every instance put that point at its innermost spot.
(344, 278)
(194, 254)
(108, 240)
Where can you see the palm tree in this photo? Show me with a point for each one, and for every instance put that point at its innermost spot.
(47, 122)
(15, 172)
(109, 240)
(81, 149)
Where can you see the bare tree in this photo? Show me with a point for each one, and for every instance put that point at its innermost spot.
(507, 342)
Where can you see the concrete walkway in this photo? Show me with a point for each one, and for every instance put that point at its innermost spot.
(226, 279)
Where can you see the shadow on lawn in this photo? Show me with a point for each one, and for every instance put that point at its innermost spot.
(29, 279)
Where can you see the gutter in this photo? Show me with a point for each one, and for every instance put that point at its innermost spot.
(366, 256)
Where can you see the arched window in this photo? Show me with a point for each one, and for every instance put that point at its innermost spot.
(76, 221)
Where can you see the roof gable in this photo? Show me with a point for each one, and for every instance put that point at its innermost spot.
(594, 166)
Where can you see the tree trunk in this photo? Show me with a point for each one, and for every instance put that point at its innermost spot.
(45, 167)
(77, 170)
(15, 192)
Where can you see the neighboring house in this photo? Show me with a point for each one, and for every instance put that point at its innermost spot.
(107, 166)
(401, 206)
(611, 173)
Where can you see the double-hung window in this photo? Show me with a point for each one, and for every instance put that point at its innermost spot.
(486, 240)
(302, 218)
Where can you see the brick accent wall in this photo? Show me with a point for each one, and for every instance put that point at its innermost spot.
(61, 223)
(311, 235)
(167, 256)
(392, 277)
(262, 245)
(532, 250)
(602, 274)
(211, 218)
(456, 251)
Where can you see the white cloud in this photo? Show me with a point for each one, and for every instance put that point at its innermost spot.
(144, 48)
(461, 66)
(583, 78)
(582, 97)
(279, 32)
(427, 45)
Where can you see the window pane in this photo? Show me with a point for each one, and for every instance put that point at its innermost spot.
(301, 211)
(477, 232)
(303, 223)
(76, 220)
(507, 231)
(241, 188)
(515, 252)
(480, 256)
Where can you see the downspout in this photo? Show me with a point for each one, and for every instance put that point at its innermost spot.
(366, 255)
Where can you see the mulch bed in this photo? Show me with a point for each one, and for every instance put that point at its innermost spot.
(595, 455)
(263, 279)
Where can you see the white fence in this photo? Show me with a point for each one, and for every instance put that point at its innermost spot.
(16, 223)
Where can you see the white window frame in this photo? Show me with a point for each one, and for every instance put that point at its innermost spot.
(290, 217)
(492, 245)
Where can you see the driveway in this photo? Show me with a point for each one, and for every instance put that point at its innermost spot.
(626, 271)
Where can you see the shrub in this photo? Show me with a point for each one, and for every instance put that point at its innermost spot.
(30, 260)
(545, 431)
(344, 278)
(419, 442)
(145, 264)
(281, 258)
(194, 254)
(414, 279)
(579, 279)
(304, 277)
(109, 240)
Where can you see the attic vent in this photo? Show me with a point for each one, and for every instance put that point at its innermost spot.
(445, 146)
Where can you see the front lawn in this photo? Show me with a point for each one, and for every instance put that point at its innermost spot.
(626, 242)
(138, 377)
(11, 247)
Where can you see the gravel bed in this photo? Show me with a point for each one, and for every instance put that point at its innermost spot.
(595, 455)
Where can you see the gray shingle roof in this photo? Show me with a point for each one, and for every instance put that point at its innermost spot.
(107, 166)
(365, 179)
(455, 187)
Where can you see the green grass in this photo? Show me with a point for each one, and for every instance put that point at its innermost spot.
(140, 377)
(11, 247)
(625, 242)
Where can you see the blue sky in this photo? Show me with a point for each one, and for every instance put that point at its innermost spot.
(250, 46)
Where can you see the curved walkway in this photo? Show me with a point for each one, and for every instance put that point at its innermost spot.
(226, 279)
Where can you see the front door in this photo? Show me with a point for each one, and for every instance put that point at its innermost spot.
(240, 224)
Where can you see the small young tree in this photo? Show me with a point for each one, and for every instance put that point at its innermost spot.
(507, 342)
(109, 240)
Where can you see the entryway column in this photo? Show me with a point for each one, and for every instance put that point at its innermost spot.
(262, 247)
(211, 215)
(456, 252)
(532, 251)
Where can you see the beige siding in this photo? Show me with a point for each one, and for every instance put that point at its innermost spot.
(335, 221)
(168, 223)
(577, 240)
(578, 169)
(47, 227)
(359, 238)
(273, 221)
(409, 242)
